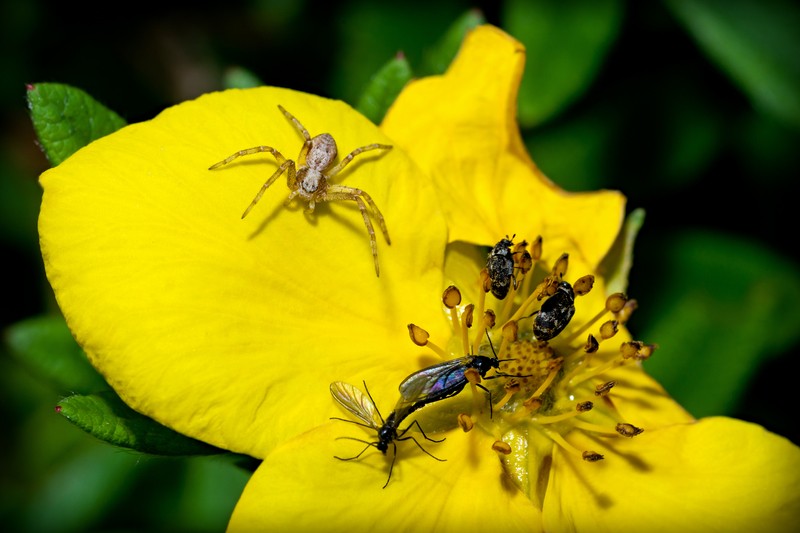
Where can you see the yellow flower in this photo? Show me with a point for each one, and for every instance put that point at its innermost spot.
(231, 330)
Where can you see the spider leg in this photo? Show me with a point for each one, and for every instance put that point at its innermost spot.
(250, 151)
(290, 197)
(287, 164)
(343, 188)
(334, 194)
(303, 131)
(349, 157)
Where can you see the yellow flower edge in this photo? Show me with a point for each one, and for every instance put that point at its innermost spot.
(716, 474)
(302, 487)
(224, 329)
(461, 129)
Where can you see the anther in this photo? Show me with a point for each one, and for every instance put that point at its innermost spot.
(473, 376)
(560, 266)
(609, 329)
(467, 316)
(591, 344)
(630, 349)
(510, 330)
(625, 314)
(628, 430)
(604, 389)
(532, 404)
(645, 351)
(465, 422)
(501, 447)
(616, 302)
(418, 335)
(583, 285)
(451, 297)
(592, 457)
(489, 319)
(486, 281)
(511, 387)
(536, 248)
(523, 257)
(583, 407)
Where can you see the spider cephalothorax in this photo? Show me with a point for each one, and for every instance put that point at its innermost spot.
(310, 181)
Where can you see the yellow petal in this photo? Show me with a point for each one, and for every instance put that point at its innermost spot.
(461, 129)
(302, 487)
(717, 474)
(230, 330)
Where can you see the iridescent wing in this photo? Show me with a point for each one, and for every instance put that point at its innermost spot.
(357, 403)
(433, 383)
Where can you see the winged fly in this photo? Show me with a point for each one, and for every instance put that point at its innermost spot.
(363, 408)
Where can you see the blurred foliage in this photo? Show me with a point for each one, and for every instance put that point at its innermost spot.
(690, 107)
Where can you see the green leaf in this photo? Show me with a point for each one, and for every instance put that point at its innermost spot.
(78, 489)
(724, 306)
(383, 88)
(565, 43)
(756, 43)
(436, 59)
(45, 345)
(107, 417)
(369, 32)
(617, 264)
(66, 119)
(240, 78)
(576, 153)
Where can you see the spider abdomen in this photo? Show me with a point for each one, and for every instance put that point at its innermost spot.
(322, 152)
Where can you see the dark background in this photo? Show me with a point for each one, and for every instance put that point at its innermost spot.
(680, 105)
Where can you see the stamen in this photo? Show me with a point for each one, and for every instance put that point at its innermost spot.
(555, 367)
(465, 422)
(609, 329)
(488, 321)
(560, 266)
(595, 428)
(451, 298)
(523, 258)
(630, 350)
(511, 387)
(580, 408)
(604, 389)
(474, 378)
(510, 331)
(501, 447)
(592, 457)
(588, 349)
(628, 430)
(558, 439)
(420, 337)
(466, 323)
(535, 296)
(583, 285)
(536, 248)
(627, 311)
(614, 304)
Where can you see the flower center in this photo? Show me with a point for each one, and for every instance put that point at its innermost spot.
(546, 383)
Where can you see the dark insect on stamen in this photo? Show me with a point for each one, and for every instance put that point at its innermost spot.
(555, 313)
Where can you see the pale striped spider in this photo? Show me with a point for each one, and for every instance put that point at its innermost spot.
(311, 181)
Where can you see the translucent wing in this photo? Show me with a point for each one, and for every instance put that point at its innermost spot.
(357, 403)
